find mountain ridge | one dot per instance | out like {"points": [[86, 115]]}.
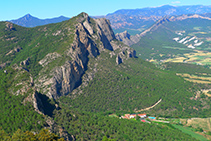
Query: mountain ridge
{"points": [[164, 10], [125, 18], [137, 20], [31, 21], [191, 27], [129, 40]]}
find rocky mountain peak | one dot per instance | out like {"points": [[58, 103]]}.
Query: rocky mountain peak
{"points": [[30, 21], [91, 38], [82, 17], [28, 16]]}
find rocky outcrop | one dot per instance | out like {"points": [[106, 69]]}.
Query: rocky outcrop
{"points": [[16, 49], [9, 26], [49, 58], [125, 54], [131, 53], [37, 103], [86, 24], [118, 60], [105, 33], [127, 39], [105, 26], [64, 134], [25, 62]]}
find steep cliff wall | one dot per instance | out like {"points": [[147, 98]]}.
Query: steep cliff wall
{"points": [[91, 37]]}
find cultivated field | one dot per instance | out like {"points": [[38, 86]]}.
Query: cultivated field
{"points": [[195, 78], [200, 57], [203, 123]]}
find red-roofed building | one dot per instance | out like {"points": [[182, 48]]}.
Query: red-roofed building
{"points": [[142, 115], [127, 116], [133, 116], [143, 120]]}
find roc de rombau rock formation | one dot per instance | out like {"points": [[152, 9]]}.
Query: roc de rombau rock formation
{"points": [[91, 37]]}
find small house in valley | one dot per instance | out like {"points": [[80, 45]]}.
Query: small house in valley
{"points": [[142, 115], [129, 116]]}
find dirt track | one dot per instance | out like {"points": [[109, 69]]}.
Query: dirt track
{"points": [[145, 109]]}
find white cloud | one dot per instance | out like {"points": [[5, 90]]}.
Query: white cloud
{"points": [[175, 2]]}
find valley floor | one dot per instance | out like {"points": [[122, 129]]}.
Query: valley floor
{"points": [[199, 128]]}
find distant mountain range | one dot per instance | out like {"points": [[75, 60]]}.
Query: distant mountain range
{"points": [[132, 20], [129, 39], [137, 20], [164, 10], [30, 21]]}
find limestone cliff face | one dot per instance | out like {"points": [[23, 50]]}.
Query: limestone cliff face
{"points": [[91, 37], [105, 26]]}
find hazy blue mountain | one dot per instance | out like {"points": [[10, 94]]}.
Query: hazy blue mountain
{"points": [[164, 10], [30, 21]]}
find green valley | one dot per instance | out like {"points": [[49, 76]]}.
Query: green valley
{"points": [[178, 39]]}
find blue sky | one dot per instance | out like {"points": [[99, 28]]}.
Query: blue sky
{"points": [[13, 9]]}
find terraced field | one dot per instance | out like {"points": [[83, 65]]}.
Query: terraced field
{"points": [[206, 79], [200, 58]]}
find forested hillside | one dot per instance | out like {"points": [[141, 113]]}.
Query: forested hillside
{"points": [[92, 126], [14, 113], [81, 125]]}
